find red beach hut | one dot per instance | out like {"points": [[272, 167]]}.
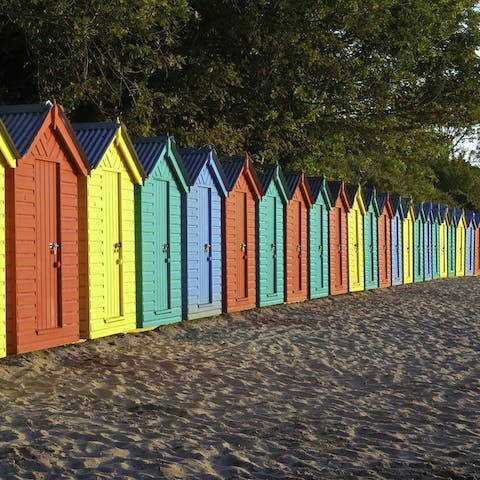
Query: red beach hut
{"points": [[296, 237], [338, 239], [42, 225], [239, 234], [384, 240]]}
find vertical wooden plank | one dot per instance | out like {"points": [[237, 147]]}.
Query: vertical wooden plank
{"points": [[205, 246]]}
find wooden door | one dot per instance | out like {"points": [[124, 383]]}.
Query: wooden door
{"points": [[338, 249], [162, 251], [451, 252], [205, 245], [369, 246], [113, 246], [296, 246], [48, 251], [320, 280], [476, 248], [241, 244], [357, 252], [396, 238], [271, 247]]}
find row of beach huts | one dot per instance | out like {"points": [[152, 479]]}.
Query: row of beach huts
{"points": [[103, 234]]}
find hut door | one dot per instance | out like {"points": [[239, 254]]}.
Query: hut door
{"points": [[162, 267], [205, 245], [48, 257], [371, 250], [338, 249], [297, 246], [357, 248], [113, 246], [396, 246], [241, 244], [384, 246], [320, 283], [271, 229]]}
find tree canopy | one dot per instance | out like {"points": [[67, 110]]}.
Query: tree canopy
{"points": [[371, 91]]}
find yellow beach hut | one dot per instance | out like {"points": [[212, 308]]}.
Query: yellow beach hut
{"points": [[356, 271], [460, 232], [107, 275], [443, 220], [8, 158], [408, 221]]}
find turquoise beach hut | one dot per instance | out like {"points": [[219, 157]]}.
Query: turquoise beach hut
{"points": [[370, 237], [436, 250], [202, 214], [270, 239], [451, 241], [318, 217], [158, 232], [418, 243]]}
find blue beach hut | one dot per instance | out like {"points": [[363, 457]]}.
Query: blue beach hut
{"points": [[470, 242], [397, 240], [202, 257], [428, 240], [418, 243]]}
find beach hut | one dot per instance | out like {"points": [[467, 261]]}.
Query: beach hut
{"points": [[296, 237], [451, 242], [418, 243], [428, 241], [107, 280], [356, 214], [202, 291], [435, 219], [384, 235], [408, 247], [158, 235], [397, 239], [239, 234], [443, 240], [460, 230], [476, 261], [470, 243], [370, 237], [338, 238], [42, 225], [270, 236], [8, 159], [318, 237]]}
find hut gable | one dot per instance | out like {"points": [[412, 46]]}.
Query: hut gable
{"points": [[298, 187], [384, 204], [338, 194], [240, 173], [272, 174], [319, 189]]}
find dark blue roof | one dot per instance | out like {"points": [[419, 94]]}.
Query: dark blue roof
{"points": [[442, 209], [367, 194], [266, 173], [469, 217], [149, 151], [95, 138], [334, 188], [406, 202], [351, 192], [418, 209], [292, 180], [397, 205], [232, 168], [317, 184], [381, 200], [23, 123]]}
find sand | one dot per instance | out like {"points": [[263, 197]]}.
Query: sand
{"points": [[380, 384]]}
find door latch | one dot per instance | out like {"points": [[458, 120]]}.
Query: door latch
{"points": [[117, 245], [165, 247], [206, 248], [54, 247]]}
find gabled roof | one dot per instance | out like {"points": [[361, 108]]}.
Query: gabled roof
{"points": [[297, 180], [459, 217], [96, 138], [407, 206], [370, 199], [443, 213], [269, 173], [194, 159], [8, 152], [452, 215], [384, 202], [419, 211], [23, 123], [233, 168], [355, 192], [319, 186], [337, 189], [470, 219], [150, 151]]}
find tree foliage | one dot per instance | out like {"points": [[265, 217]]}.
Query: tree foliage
{"points": [[371, 91]]}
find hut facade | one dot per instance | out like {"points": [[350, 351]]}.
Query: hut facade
{"points": [[443, 241], [338, 238], [461, 227], [107, 280], [239, 234], [158, 231], [8, 159], [296, 237], [384, 229], [476, 262], [470, 243], [356, 214], [428, 241], [418, 243], [370, 237], [435, 215], [202, 290], [397, 240], [42, 225], [318, 237], [270, 236], [408, 222]]}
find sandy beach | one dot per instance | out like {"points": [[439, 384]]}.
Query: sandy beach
{"points": [[373, 385]]}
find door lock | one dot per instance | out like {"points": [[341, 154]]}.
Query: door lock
{"points": [[54, 247]]}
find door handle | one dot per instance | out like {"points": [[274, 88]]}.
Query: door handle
{"points": [[165, 247], [117, 245], [54, 246], [206, 248], [299, 247], [273, 246]]}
